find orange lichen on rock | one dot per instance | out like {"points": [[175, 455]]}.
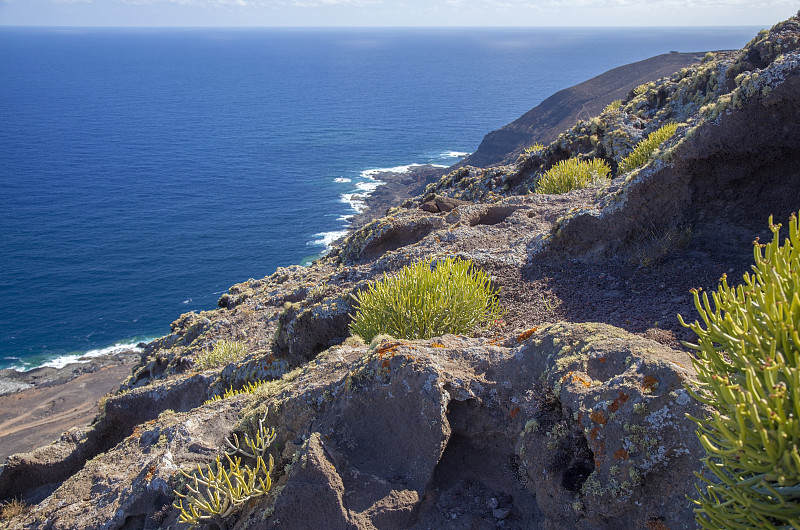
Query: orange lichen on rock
{"points": [[388, 349], [623, 397], [599, 417], [526, 334], [514, 412], [594, 433], [575, 378], [649, 384], [621, 454]]}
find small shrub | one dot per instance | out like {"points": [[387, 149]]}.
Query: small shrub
{"points": [[653, 247], [248, 388], [642, 89], [422, 301], [13, 508], [614, 105], [748, 372], [642, 152], [225, 485], [572, 174], [224, 353], [535, 148]]}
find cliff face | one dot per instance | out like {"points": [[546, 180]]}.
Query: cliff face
{"points": [[571, 413]]}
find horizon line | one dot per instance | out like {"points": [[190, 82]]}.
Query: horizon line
{"points": [[98, 26]]}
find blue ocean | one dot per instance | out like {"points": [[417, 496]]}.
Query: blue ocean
{"points": [[144, 171]]}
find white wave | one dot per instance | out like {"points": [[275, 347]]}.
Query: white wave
{"points": [[187, 301], [355, 200], [326, 239], [19, 365], [453, 154], [64, 360], [342, 179], [369, 186], [372, 173]]}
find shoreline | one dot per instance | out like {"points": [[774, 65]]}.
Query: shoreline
{"points": [[14, 381], [395, 187], [37, 406]]}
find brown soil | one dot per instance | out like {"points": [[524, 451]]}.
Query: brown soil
{"points": [[642, 300], [35, 417]]}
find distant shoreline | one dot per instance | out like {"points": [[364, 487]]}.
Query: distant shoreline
{"points": [[13, 380]]}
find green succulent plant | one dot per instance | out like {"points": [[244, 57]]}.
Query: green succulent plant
{"points": [[644, 150], [224, 353], [425, 300], [248, 388], [225, 485], [748, 372], [572, 174], [614, 105], [535, 148]]}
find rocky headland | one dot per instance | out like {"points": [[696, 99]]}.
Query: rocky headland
{"points": [[569, 413]]}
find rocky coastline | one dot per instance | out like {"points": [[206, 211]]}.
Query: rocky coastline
{"points": [[570, 413]]}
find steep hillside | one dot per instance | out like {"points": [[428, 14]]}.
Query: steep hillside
{"points": [[565, 108], [570, 412]]}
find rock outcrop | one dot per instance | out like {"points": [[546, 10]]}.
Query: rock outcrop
{"points": [[569, 413], [566, 426]]}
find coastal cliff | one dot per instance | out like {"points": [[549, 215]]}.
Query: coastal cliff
{"points": [[568, 413]]}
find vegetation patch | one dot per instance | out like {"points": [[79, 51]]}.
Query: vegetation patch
{"points": [[573, 174], [535, 148], [614, 105], [219, 490], [643, 151], [426, 300], [12, 509], [248, 388], [224, 353], [748, 370]]}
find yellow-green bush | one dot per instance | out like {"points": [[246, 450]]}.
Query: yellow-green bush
{"points": [[614, 105], [425, 300], [748, 372], [11, 509], [643, 151], [219, 490], [572, 174], [224, 353], [535, 148], [248, 388]]}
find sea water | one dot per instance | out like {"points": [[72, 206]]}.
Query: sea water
{"points": [[144, 171]]}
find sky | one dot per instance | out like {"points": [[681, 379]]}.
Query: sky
{"points": [[763, 13]]}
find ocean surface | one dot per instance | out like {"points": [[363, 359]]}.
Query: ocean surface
{"points": [[145, 171]]}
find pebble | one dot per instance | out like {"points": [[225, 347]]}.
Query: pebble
{"points": [[501, 513], [492, 503]]}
